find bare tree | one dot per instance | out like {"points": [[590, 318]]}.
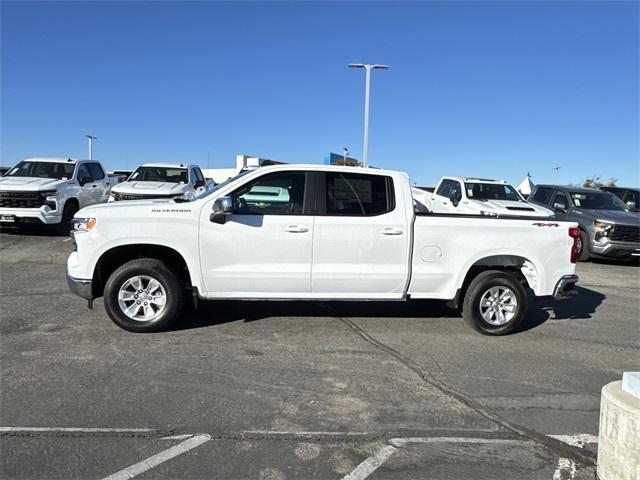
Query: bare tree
{"points": [[594, 182]]}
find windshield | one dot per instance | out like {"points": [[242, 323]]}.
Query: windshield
{"points": [[597, 201], [491, 191], [57, 170], [160, 174]]}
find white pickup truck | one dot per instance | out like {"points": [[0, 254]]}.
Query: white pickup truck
{"points": [[161, 180], [476, 196], [315, 233], [50, 190]]}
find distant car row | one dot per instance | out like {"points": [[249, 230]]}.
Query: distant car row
{"points": [[50, 190], [608, 219]]}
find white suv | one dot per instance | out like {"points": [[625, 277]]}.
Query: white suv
{"points": [[50, 190], [161, 180]]}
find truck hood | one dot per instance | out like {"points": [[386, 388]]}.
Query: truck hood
{"points": [[510, 207], [32, 184], [151, 188], [614, 216]]}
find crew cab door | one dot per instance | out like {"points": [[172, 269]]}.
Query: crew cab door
{"points": [[361, 237], [263, 250], [441, 199], [88, 192]]}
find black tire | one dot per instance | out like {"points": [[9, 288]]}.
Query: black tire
{"points": [[147, 267], [480, 286], [69, 210], [584, 252]]}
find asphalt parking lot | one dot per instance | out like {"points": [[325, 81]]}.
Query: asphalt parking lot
{"points": [[274, 390]]}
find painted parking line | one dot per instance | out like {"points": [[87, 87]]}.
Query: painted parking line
{"points": [[158, 458], [375, 461], [73, 430]]}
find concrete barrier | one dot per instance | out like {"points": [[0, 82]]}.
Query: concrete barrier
{"points": [[619, 434]]}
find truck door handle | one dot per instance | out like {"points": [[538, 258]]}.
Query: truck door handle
{"points": [[391, 231], [295, 229]]}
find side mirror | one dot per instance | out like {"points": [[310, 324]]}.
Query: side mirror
{"points": [[199, 183], [222, 207], [84, 180], [455, 198], [560, 206], [631, 204]]}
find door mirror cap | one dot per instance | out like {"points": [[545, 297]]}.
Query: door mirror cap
{"points": [[560, 206], [455, 198], [199, 183], [85, 180], [222, 207]]}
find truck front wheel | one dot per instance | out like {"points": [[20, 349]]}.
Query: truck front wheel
{"points": [[495, 303], [144, 295]]}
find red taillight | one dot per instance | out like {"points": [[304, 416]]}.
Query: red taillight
{"points": [[574, 232]]}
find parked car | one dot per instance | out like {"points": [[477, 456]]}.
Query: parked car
{"points": [[50, 190], [608, 228], [314, 232], [120, 175], [630, 196], [476, 196], [161, 180]]}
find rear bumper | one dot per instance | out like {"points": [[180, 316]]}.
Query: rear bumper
{"points": [[81, 287], [566, 287], [31, 216]]}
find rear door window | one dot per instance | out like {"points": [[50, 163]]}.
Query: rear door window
{"points": [[358, 194]]}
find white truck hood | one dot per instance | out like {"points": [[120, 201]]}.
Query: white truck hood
{"points": [[151, 188], [32, 184], [509, 207]]}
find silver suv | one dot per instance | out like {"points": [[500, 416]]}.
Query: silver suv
{"points": [[608, 227]]}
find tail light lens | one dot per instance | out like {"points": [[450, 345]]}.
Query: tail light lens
{"points": [[574, 232]]}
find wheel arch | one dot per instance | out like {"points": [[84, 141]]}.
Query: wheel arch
{"points": [[116, 256], [521, 267]]}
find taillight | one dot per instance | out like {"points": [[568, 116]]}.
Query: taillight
{"points": [[574, 232]]}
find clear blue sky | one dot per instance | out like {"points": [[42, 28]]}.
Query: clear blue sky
{"points": [[490, 89]]}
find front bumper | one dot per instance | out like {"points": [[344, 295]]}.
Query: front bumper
{"points": [[615, 249], [31, 216], [81, 287], [566, 287]]}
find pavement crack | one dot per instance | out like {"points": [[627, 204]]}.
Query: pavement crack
{"points": [[555, 446]]}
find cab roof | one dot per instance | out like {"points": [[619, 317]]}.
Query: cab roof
{"points": [[325, 168], [476, 180], [166, 165], [52, 159]]}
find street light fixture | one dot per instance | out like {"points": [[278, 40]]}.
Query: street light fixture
{"points": [[91, 139], [368, 67]]}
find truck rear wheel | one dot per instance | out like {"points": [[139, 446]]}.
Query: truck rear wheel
{"points": [[144, 295], [495, 303]]}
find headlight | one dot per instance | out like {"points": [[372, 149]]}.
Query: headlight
{"points": [[83, 224], [602, 226], [602, 229], [486, 213], [50, 197]]}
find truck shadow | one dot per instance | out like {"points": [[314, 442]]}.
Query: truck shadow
{"points": [[580, 307], [213, 313]]}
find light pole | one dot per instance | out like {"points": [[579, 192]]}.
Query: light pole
{"points": [[91, 139], [367, 82]]}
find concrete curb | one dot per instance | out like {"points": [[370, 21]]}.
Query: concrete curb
{"points": [[619, 435]]}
